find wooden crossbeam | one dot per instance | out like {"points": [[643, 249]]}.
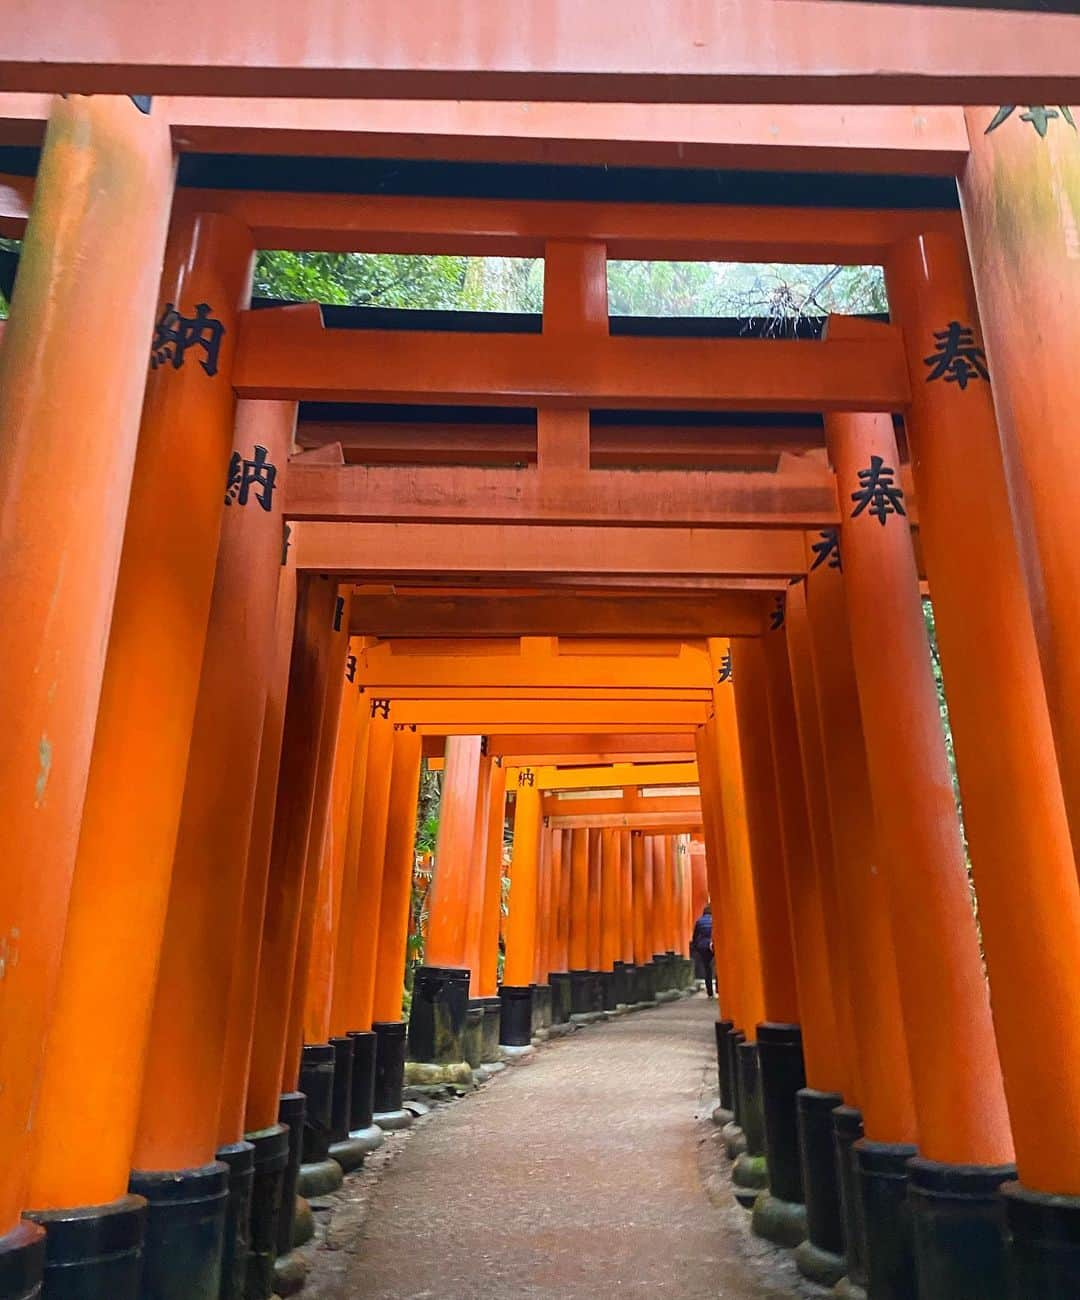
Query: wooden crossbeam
{"points": [[627, 802], [735, 613], [615, 776], [801, 494], [587, 714], [579, 747], [286, 354], [657, 823], [512, 550], [919, 140], [729, 51]]}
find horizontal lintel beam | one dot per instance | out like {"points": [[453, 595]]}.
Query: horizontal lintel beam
{"points": [[729, 51], [736, 613], [512, 550], [285, 354], [655, 823]]}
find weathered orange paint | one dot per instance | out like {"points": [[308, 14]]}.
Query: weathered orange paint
{"points": [[493, 871], [342, 1004], [750, 679], [178, 1120], [452, 891], [640, 51], [1021, 231], [359, 973], [393, 923], [821, 1043], [724, 734], [595, 886], [236, 1059], [610, 872], [884, 1073], [845, 1066], [578, 927], [96, 234], [729, 960], [293, 356], [521, 923], [543, 888], [699, 877], [1013, 805], [961, 1114], [640, 923], [309, 671], [95, 1051], [330, 869], [626, 899], [315, 858], [474, 920]]}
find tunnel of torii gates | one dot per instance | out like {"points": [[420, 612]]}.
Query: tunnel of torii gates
{"points": [[651, 590]]}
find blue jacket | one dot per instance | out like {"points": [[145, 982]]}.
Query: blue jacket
{"points": [[702, 932]]}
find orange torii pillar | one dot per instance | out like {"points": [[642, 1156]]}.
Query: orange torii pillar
{"points": [[593, 919], [1014, 808], [581, 979], [964, 1136], [821, 1256], [610, 871], [516, 1030], [352, 1005], [95, 1053], [780, 1071], [625, 965], [309, 671], [271, 1143], [328, 933], [180, 1122], [541, 995], [488, 987], [95, 237], [882, 1108], [392, 936], [558, 972], [699, 879], [310, 1067], [440, 1003], [785, 1073], [686, 917], [473, 1040], [641, 990], [661, 916]]}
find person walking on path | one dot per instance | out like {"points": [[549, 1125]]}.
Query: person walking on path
{"points": [[701, 947]]}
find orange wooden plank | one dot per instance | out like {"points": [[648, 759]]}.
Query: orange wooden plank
{"points": [[731, 51], [509, 550], [285, 354]]}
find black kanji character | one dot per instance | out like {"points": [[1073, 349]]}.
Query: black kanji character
{"points": [[257, 473], [958, 358], [526, 776], [827, 551], [725, 672], [878, 491], [350, 668], [1038, 115], [776, 618], [175, 334]]}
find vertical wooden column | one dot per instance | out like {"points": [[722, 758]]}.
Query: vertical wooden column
{"points": [[725, 928], [521, 922], [236, 1058], [357, 992], [961, 1112], [182, 1085], [595, 850], [393, 929], [1014, 809], [626, 899], [821, 1044], [699, 878], [1022, 240], [320, 817], [95, 1052], [610, 871], [642, 956], [478, 879], [451, 891], [886, 1102], [661, 875], [493, 869], [309, 671], [543, 899], [95, 236], [724, 733], [330, 870], [763, 818], [551, 916], [578, 928]]}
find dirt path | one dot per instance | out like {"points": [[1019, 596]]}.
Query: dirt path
{"points": [[575, 1175]]}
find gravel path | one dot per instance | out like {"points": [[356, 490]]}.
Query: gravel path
{"points": [[578, 1174]]}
